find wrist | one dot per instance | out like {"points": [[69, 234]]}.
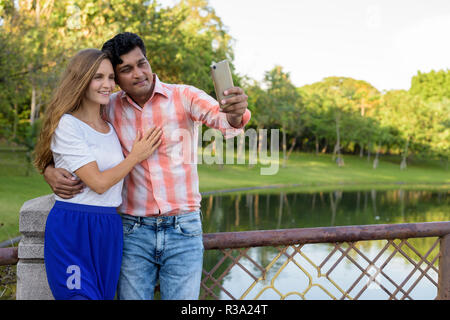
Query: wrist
{"points": [[46, 172], [234, 121], [133, 158]]}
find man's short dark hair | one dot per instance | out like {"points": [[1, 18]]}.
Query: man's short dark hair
{"points": [[122, 44]]}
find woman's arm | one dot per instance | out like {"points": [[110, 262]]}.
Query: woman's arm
{"points": [[101, 181]]}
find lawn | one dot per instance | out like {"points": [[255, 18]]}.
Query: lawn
{"points": [[310, 172], [304, 172]]}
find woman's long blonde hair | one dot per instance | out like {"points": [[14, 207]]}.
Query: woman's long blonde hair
{"points": [[67, 98]]}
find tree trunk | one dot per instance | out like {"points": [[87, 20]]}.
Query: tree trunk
{"points": [[313, 206], [260, 139], [292, 147], [16, 120], [280, 210], [33, 103], [361, 151], [214, 150], [210, 206], [404, 156], [317, 145], [337, 148], [325, 147], [284, 149], [38, 12], [236, 210], [373, 193], [257, 209], [333, 208], [376, 161]]}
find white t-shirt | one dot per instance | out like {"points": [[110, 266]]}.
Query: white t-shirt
{"points": [[75, 144]]}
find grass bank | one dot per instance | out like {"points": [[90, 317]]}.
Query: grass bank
{"points": [[304, 172], [309, 172]]}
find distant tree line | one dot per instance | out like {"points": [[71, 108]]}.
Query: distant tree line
{"points": [[336, 115], [342, 115]]}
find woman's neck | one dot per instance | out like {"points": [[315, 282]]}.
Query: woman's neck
{"points": [[89, 112]]}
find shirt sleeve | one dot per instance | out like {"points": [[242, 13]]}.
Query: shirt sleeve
{"points": [[206, 109], [69, 143]]}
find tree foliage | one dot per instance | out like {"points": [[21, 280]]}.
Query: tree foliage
{"points": [[39, 36], [337, 114]]}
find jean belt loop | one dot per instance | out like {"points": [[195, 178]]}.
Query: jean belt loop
{"points": [[201, 214], [175, 221]]}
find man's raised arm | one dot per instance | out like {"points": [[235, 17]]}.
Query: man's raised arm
{"points": [[230, 120]]}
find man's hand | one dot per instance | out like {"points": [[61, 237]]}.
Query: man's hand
{"points": [[62, 182], [237, 107]]}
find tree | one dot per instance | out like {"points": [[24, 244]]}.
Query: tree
{"points": [[284, 103], [406, 113], [182, 40], [434, 89], [434, 85]]}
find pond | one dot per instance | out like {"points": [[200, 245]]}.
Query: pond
{"points": [[367, 270]]}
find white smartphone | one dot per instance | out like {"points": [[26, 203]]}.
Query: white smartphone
{"points": [[221, 75]]}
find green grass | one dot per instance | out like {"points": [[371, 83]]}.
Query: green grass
{"points": [[15, 189], [304, 172], [312, 172]]}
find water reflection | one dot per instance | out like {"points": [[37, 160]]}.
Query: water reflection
{"points": [[242, 212], [321, 271]]}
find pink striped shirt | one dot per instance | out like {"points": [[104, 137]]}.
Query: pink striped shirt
{"points": [[167, 182]]}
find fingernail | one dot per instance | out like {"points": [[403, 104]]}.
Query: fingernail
{"points": [[225, 93], [223, 102]]}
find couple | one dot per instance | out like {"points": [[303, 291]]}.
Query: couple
{"points": [[126, 214]]}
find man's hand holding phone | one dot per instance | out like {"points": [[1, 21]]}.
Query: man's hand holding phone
{"points": [[232, 100], [236, 105]]}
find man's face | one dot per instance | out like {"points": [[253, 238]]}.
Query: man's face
{"points": [[134, 75]]}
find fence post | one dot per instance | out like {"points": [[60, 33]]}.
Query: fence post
{"points": [[444, 269], [31, 277]]}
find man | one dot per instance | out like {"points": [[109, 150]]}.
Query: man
{"points": [[161, 200]]}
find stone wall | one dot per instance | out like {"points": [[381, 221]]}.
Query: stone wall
{"points": [[31, 277]]}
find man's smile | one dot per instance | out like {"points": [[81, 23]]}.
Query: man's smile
{"points": [[141, 82]]}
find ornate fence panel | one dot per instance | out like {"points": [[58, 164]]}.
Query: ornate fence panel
{"points": [[8, 261], [286, 263], [292, 252]]}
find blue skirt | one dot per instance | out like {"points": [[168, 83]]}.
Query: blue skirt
{"points": [[83, 251]]}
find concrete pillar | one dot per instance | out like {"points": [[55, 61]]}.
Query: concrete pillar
{"points": [[31, 277]]}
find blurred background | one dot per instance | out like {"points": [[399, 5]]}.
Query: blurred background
{"points": [[360, 91]]}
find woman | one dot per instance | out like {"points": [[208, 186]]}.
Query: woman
{"points": [[83, 235]]}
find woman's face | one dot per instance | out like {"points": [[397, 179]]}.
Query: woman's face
{"points": [[102, 84]]}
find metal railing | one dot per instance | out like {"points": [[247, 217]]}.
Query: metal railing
{"points": [[289, 246], [231, 251]]}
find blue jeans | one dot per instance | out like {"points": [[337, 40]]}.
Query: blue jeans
{"points": [[165, 248]]}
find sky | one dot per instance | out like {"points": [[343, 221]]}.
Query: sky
{"points": [[384, 42]]}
